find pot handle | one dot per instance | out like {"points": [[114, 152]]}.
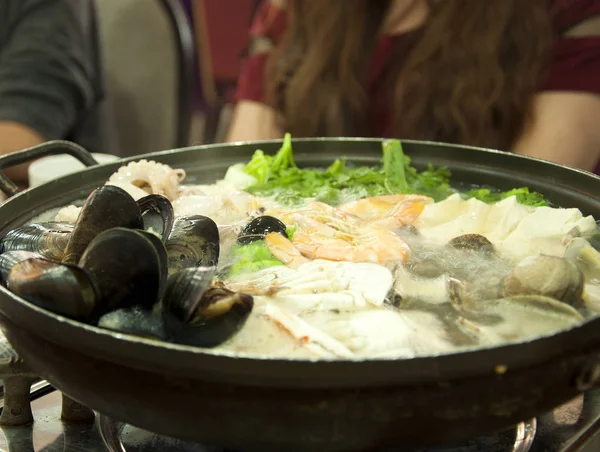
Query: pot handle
{"points": [[33, 153]]}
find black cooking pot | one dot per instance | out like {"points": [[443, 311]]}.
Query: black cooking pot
{"points": [[277, 404]]}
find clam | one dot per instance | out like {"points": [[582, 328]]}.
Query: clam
{"points": [[127, 267], [587, 259], [517, 318], [259, 227], [591, 296], [46, 239], [472, 242], [135, 321], [9, 259], [61, 288], [460, 298], [106, 208], [585, 256], [550, 276], [570, 235], [200, 315], [157, 214], [592, 237], [193, 242]]}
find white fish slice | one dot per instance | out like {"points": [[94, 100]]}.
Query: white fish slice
{"points": [[306, 335], [384, 332]]}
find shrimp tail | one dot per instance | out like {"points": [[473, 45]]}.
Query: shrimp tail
{"points": [[408, 212], [284, 250]]}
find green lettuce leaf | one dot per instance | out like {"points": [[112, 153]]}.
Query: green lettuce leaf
{"points": [[252, 257]]}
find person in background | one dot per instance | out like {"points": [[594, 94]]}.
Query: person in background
{"points": [[50, 76], [505, 74]]}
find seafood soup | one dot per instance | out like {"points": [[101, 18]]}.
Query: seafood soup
{"points": [[277, 261]]}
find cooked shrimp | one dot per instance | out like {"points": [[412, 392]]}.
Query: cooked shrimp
{"points": [[146, 177], [317, 211], [324, 232], [354, 244], [388, 211], [284, 250]]}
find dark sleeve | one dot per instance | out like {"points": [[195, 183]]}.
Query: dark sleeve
{"points": [[267, 30], [575, 64], [46, 74]]}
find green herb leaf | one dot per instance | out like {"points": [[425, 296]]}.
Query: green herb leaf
{"points": [[279, 177], [394, 163], [524, 196]]}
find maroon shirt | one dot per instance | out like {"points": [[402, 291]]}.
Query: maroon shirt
{"points": [[575, 64]]}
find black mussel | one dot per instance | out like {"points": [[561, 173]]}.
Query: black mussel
{"points": [[157, 213], [202, 317], [106, 208], [10, 258], [46, 239], [194, 242], [472, 242], [135, 321], [220, 314], [259, 227], [163, 259], [184, 290], [60, 288], [127, 268]]}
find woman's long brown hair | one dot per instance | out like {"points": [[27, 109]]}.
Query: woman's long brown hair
{"points": [[469, 77]]}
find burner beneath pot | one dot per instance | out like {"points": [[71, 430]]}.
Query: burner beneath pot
{"points": [[124, 438], [567, 429]]}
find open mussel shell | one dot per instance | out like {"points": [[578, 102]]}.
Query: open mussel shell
{"points": [[208, 320], [46, 239], [194, 242], [9, 259], [259, 227], [126, 267], [60, 288], [197, 314], [158, 215], [184, 290], [135, 321], [163, 259], [106, 208]]}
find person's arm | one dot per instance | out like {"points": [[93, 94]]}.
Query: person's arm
{"points": [[252, 118], [15, 136], [253, 121], [565, 128], [45, 75], [565, 120]]}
